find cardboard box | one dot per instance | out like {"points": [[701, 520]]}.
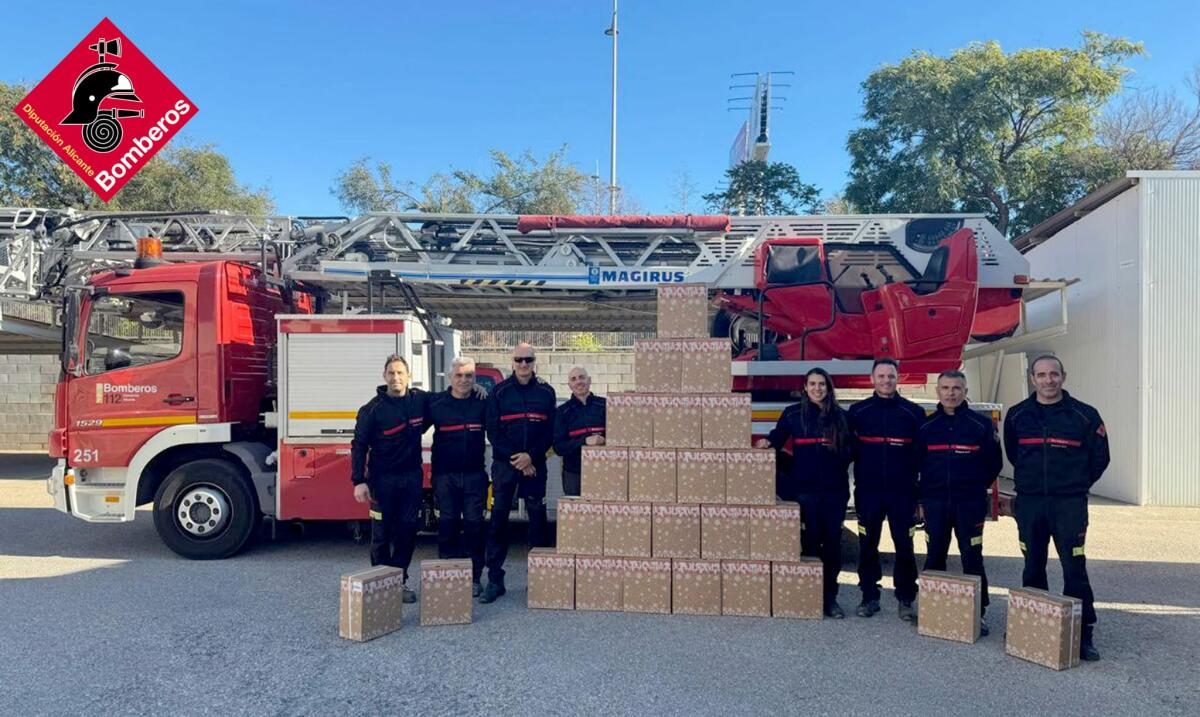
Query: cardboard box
{"points": [[605, 473], [629, 421], [598, 583], [656, 365], [750, 476], [1044, 628], [371, 603], [950, 606], [551, 580], [726, 421], [725, 532], [627, 529], [646, 585], [700, 476], [580, 526], [705, 366], [651, 475], [677, 421], [445, 592], [797, 589], [746, 588], [696, 587], [682, 311], [676, 531], [775, 532]]}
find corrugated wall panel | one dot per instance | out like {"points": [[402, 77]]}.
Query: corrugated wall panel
{"points": [[1171, 338]]}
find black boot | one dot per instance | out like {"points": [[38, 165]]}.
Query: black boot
{"points": [[1087, 649], [492, 592]]}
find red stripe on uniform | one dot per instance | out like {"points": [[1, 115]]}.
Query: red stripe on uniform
{"points": [[581, 431], [1050, 441], [885, 439], [953, 447], [396, 429], [518, 416], [810, 441], [460, 427]]}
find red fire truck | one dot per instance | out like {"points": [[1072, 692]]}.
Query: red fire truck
{"points": [[221, 386]]}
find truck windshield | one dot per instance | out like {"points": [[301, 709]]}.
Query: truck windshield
{"points": [[133, 330]]}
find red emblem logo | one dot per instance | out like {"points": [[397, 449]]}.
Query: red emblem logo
{"points": [[106, 109]]}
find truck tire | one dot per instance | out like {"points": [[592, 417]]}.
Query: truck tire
{"points": [[206, 510]]}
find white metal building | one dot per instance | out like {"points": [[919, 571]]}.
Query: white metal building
{"points": [[1133, 336]]}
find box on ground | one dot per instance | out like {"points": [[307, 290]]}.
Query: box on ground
{"points": [[605, 473], [705, 366], [725, 532], [445, 592], [551, 580], [656, 365], [750, 476], [950, 606], [797, 589], [678, 421], [629, 420], [682, 311], [652, 475], [646, 585], [372, 603], [775, 532], [726, 420], [675, 531], [580, 526], [627, 529], [1044, 628], [598, 582], [696, 587], [700, 476], [746, 588]]}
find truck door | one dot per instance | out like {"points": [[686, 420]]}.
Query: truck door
{"points": [[136, 372]]}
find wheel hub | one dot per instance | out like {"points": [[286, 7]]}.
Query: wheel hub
{"points": [[203, 511]]}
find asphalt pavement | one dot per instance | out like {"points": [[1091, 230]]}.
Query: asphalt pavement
{"points": [[105, 619]]}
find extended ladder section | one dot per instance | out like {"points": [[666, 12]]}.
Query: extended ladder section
{"points": [[484, 270]]}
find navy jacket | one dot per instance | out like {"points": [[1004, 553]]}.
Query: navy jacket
{"points": [[458, 433], [959, 454], [574, 423], [520, 419], [387, 435], [1055, 449], [817, 467], [884, 429]]}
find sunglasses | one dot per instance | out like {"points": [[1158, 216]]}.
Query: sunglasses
{"points": [[524, 359]]}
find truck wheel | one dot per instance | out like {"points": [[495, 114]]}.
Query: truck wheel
{"points": [[205, 510]]}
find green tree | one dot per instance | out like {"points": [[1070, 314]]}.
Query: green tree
{"points": [[981, 130], [180, 177], [759, 188], [366, 188], [527, 185]]}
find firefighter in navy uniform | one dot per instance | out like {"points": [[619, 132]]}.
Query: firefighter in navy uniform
{"points": [[959, 456], [385, 466], [885, 486], [818, 434], [458, 415], [579, 423], [520, 426], [1059, 449]]}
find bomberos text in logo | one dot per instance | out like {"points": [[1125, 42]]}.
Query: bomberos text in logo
{"points": [[106, 109]]}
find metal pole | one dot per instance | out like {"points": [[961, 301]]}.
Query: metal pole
{"points": [[612, 159]]}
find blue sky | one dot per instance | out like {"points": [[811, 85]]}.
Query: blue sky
{"points": [[294, 92]]}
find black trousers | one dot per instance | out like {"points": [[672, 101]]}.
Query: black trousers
{"points": [[966, 519], [460, 498], [898, 508], [821, 519], [395, 509], [572, 482], [1064, 518], [508, 482]]}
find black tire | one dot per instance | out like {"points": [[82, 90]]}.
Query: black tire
{"points": [[216, 482]]}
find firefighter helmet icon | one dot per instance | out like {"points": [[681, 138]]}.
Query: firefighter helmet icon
{"points": [[95, 85]]}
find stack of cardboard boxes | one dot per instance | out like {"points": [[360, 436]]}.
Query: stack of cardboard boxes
{"points": [[678, 513]]}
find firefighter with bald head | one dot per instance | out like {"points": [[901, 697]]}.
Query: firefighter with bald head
{"points": [[580, 422], [520, 426], [385, 466], [1058, 448]]}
